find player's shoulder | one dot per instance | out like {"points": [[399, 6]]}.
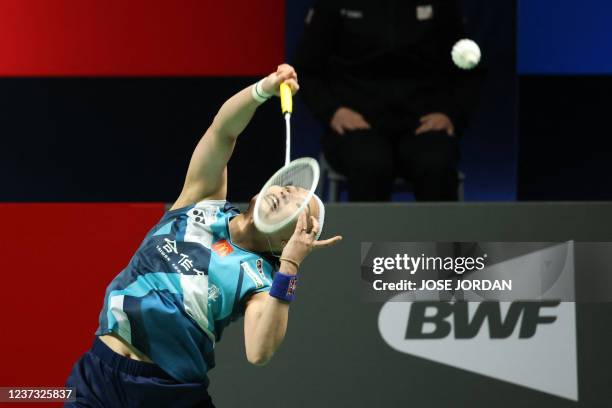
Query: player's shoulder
{"points": [[204, 209], [205, 212]]}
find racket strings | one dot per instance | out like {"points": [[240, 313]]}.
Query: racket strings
{"points": [[302, 174], [298, 176]]}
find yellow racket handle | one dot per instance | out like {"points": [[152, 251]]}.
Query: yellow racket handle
{"points": [[286, 98]]}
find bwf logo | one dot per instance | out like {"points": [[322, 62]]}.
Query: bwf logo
{"points": [[442, 318], [532, 344]]}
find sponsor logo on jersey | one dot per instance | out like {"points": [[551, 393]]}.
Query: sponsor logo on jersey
{"points": [[252, 275], [222, 248], [259, 265], [203, 214]]}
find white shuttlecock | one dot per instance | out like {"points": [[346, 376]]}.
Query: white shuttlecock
{"points": [[466, 54]]}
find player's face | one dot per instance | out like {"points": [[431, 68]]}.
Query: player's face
{"points": [[279, 203]]}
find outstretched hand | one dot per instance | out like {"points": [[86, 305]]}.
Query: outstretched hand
{"points": [[284, 73], [303, 240]]}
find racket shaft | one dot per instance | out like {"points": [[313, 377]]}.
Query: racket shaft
{"points": [[288, 138]]}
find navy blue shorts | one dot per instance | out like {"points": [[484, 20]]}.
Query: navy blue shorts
{"points": [[103, 378]]}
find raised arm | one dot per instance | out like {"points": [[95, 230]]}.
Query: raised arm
{"points": [[266, 317], [207, 173]]}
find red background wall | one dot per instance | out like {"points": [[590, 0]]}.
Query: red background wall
{"points": [[140, 37], [57, 260]]}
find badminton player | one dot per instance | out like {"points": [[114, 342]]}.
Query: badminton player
{"points": [[201, 267]]}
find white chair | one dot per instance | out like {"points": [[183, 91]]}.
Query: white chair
{"points": [[331, 179]]}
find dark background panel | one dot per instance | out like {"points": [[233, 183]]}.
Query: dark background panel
{"points": [[334, 355], [123, 139], [564, 139]]}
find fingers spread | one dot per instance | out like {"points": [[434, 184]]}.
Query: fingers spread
{"points": [[326, 243]]}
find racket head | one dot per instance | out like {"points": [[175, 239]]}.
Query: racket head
{"points": [[286, 194]]}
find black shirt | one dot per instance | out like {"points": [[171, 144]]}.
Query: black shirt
{"points": [[386, 59]]}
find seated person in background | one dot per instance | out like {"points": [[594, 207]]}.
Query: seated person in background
{"points": [[396, 101]]}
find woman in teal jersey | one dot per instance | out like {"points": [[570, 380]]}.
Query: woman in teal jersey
{"points": [[201, 267]]}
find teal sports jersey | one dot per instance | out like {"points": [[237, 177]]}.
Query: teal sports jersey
{"points": [[186, 282]]}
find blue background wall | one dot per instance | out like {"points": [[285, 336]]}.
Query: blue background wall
{"points": [[565, 37], [564, 66]]}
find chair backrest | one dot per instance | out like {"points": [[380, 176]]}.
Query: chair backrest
{"points": [[330, 173]]}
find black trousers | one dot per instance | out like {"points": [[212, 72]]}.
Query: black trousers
{"points": [[103, 378], [371, 159]]}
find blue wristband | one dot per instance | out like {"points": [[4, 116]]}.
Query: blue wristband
{"points": [[283, 286]]}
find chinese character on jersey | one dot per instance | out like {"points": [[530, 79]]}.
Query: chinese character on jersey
{"points": [[185, 262], [213, 293], [170, 246]]}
